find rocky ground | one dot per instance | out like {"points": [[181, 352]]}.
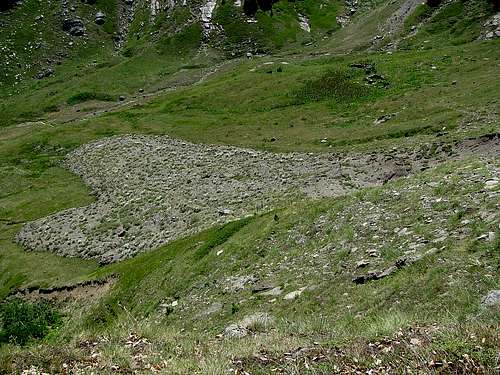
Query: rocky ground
{"points": [[369, 239], [319, 260], [151, 190]]}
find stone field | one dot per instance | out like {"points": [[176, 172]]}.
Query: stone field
{"points": [[151, 190]]}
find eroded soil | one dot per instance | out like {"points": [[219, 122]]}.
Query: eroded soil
{"points": [[88, 290]]}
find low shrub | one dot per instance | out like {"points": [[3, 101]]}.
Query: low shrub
{"points": [[51, 108], [21, 322], [87, 96]]}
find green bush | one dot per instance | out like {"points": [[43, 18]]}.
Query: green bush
{"points": [[87, 96], [334, 84], [21, 321], [51, 108]]}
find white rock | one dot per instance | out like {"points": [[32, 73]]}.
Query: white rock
{"points": [[304, 23], [492, 299], [294, 294]]}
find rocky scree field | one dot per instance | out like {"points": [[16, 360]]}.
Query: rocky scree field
{"points": [[153, 190]]}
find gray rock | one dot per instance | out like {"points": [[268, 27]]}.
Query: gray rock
{"points": [[272, 292], [74, 26], [237, 283], [225, 212], [100, 18], [387, 272], [235, 331], [210, 310], [491, 184], [257, 322], [44, 73], [491, 299], [292, 295], [382, 119], [362, 263], [262, 288]]}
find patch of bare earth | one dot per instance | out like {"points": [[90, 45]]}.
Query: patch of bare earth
{"points": [[88, 290]]}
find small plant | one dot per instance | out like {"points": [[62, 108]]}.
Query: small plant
{"points": [[234, 308], [21, 322], [334, 84]]}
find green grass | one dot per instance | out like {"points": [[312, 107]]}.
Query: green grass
{"points": [[221, 236], [253, 103], [83, 97], [443, 289], [420, 14], [335, 85], [456, 23], [22, 322]]}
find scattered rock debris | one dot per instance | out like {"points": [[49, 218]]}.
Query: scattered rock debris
{"points": [[398, 264], [492, 299]]}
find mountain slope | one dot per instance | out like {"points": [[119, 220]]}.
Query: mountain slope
{"points": [[257, 187]]}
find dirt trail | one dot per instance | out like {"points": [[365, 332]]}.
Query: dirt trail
{"points": [[151, 190]]}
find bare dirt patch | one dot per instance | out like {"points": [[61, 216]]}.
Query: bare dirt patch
{"points": [[88, 290], [151, 190]]}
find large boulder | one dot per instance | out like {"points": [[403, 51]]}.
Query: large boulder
{"points": [[74, 26]]}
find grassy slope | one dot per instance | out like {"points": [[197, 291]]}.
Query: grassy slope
{"points": [[317, 246], [244, 107], [154, 52], [249, 107], [455, 23]]}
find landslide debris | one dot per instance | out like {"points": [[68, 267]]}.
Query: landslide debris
{"points": [[151, 190]]}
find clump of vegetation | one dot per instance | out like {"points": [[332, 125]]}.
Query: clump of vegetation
{"points": [[87, 96], [21, 322], [334, 84], [181, 43], [51, 108]]}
